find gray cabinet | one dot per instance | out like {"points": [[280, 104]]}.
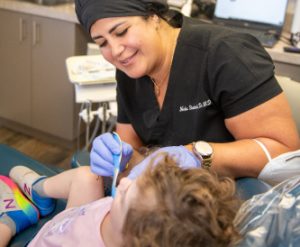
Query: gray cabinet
{"points": [[15, 67], [34, 87]]}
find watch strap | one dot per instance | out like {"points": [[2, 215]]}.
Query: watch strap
{"points": [[205, 160]]}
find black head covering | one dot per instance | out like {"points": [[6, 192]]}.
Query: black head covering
{"points": [[88, 11]]}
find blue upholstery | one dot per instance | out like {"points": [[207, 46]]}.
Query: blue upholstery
{"points": [[248, 187], [80, 158], [10, 157]]}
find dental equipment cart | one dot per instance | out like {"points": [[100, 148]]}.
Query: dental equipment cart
{"points": [[94, 82]]}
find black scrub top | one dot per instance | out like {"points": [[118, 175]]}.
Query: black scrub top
{"points": [[216, 74]]}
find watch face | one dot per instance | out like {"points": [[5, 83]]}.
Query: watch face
{"points": [[203, 148]]}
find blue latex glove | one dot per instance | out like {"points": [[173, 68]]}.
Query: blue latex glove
{"points": [[101, 156], [180, 154]]}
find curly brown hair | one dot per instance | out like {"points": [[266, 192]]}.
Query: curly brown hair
{"points": [[191, 207]]}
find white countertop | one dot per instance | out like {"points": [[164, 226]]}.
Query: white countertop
{"points": [[64, 12], [279, 55]]}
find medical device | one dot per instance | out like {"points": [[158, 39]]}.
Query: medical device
{"points": [[295, 29]]}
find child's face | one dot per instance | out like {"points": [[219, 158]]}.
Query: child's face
{"points": [[127, 192]]}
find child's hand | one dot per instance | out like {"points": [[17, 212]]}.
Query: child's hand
{"points": [[180, 154], [104, 146]]}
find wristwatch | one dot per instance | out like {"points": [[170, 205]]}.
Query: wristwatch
{"points": [[204, 152]]}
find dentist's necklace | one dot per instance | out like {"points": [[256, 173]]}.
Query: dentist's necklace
{"points": [[156, 87]]}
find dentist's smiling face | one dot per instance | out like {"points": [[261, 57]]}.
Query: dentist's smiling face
{"points": [[132, 44]]}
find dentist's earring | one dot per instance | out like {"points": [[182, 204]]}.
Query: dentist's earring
{"points": [[156, 18], [156, 21]]}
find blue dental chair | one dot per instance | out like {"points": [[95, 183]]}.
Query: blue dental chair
{"points": [[9, 157], [246, 187]]}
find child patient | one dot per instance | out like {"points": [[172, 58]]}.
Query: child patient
{"points": [[165, 206]]}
